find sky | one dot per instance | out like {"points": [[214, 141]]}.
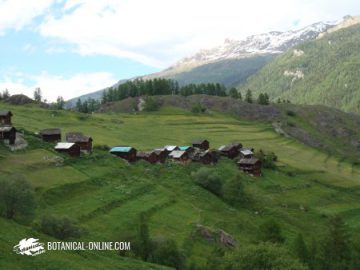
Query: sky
{"points": [[72, 47]]}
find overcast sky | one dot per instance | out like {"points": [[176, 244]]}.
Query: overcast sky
{"points": [[72, 47]]}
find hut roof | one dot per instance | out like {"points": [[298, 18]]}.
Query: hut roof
{"points": [[50, 131], [123, 149], [77, 137], [177, 154], [248, 161], [199, 141], [64, 145], [246, 152], [184, 148], [6, 128], [170, 147], [226, 147], [5, 113]]}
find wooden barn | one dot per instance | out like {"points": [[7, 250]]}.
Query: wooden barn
{"points": [[125, 152], [83, 141], [187, 149], [205, 157], [8, 133], [5, 118], [72, 149], [150, 157], [201, 144], [246, 153], [178, 155], [230, 150], [51, 135], [251, 166], [162, 154]]}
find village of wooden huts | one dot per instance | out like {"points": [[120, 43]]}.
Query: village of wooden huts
{"points": [[199, 151]]}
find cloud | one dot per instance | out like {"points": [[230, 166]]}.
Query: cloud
{"points": [[159, 32], [53, 86], [16, 14]]}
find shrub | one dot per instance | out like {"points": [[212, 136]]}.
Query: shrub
{"points": [[268, 159], [262, 256], [233, 191], [270, 231], [198, 108], [151, 104], [166, 252], [208, 179], [60, 227], [17, 199], [290, 113]]}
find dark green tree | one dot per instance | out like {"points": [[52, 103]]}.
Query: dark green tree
{"points": [[60, 103], [37, 94], [233, 92], [208, 179], [233, 191], [248, 96], [17, 199]]}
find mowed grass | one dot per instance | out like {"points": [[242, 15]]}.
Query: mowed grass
{"points": [[107, 195]]}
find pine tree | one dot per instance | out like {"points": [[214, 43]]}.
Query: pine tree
{"points": [[248, 96], [60, 103], [37, 94], [233, 93]]}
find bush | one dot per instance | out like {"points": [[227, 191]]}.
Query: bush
{"points": [[270, 231], [262, 256], [233, 191], [198, 108], [60, 227], [151, 104], [166, 252], [17, 199], [208, 179], [267, 159], [290, 113]]}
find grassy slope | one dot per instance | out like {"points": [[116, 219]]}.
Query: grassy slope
{"points": [[331, 72], [107, 195]]}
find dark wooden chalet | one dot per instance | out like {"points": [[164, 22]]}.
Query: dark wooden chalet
{"points": [[204, 157], [178, 155], [162, 154], [83, 141], [201, 144], [150, 157], [72, 149], [125, 152], [5, 118], [230, 150], [251, 166], [8, 133], [51, 134]]}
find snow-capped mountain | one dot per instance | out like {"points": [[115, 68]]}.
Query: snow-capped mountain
{"points": [[268, 43]]}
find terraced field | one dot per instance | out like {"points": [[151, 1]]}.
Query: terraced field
{"points": [[107, 195]]}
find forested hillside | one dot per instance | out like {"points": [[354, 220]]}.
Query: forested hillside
{"points": [[325, 71]]}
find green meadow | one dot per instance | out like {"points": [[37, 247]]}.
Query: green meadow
{"points": [[107, 195]]}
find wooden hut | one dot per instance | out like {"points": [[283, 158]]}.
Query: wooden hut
{"points": [[204, 157], [5, 118], [8, 133], [72, 149], [83, 141], [230, 150], [201, 144], [125, 152], [51, 134], [251, 166], [178, 155], [162, 154], [150, 157]]}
